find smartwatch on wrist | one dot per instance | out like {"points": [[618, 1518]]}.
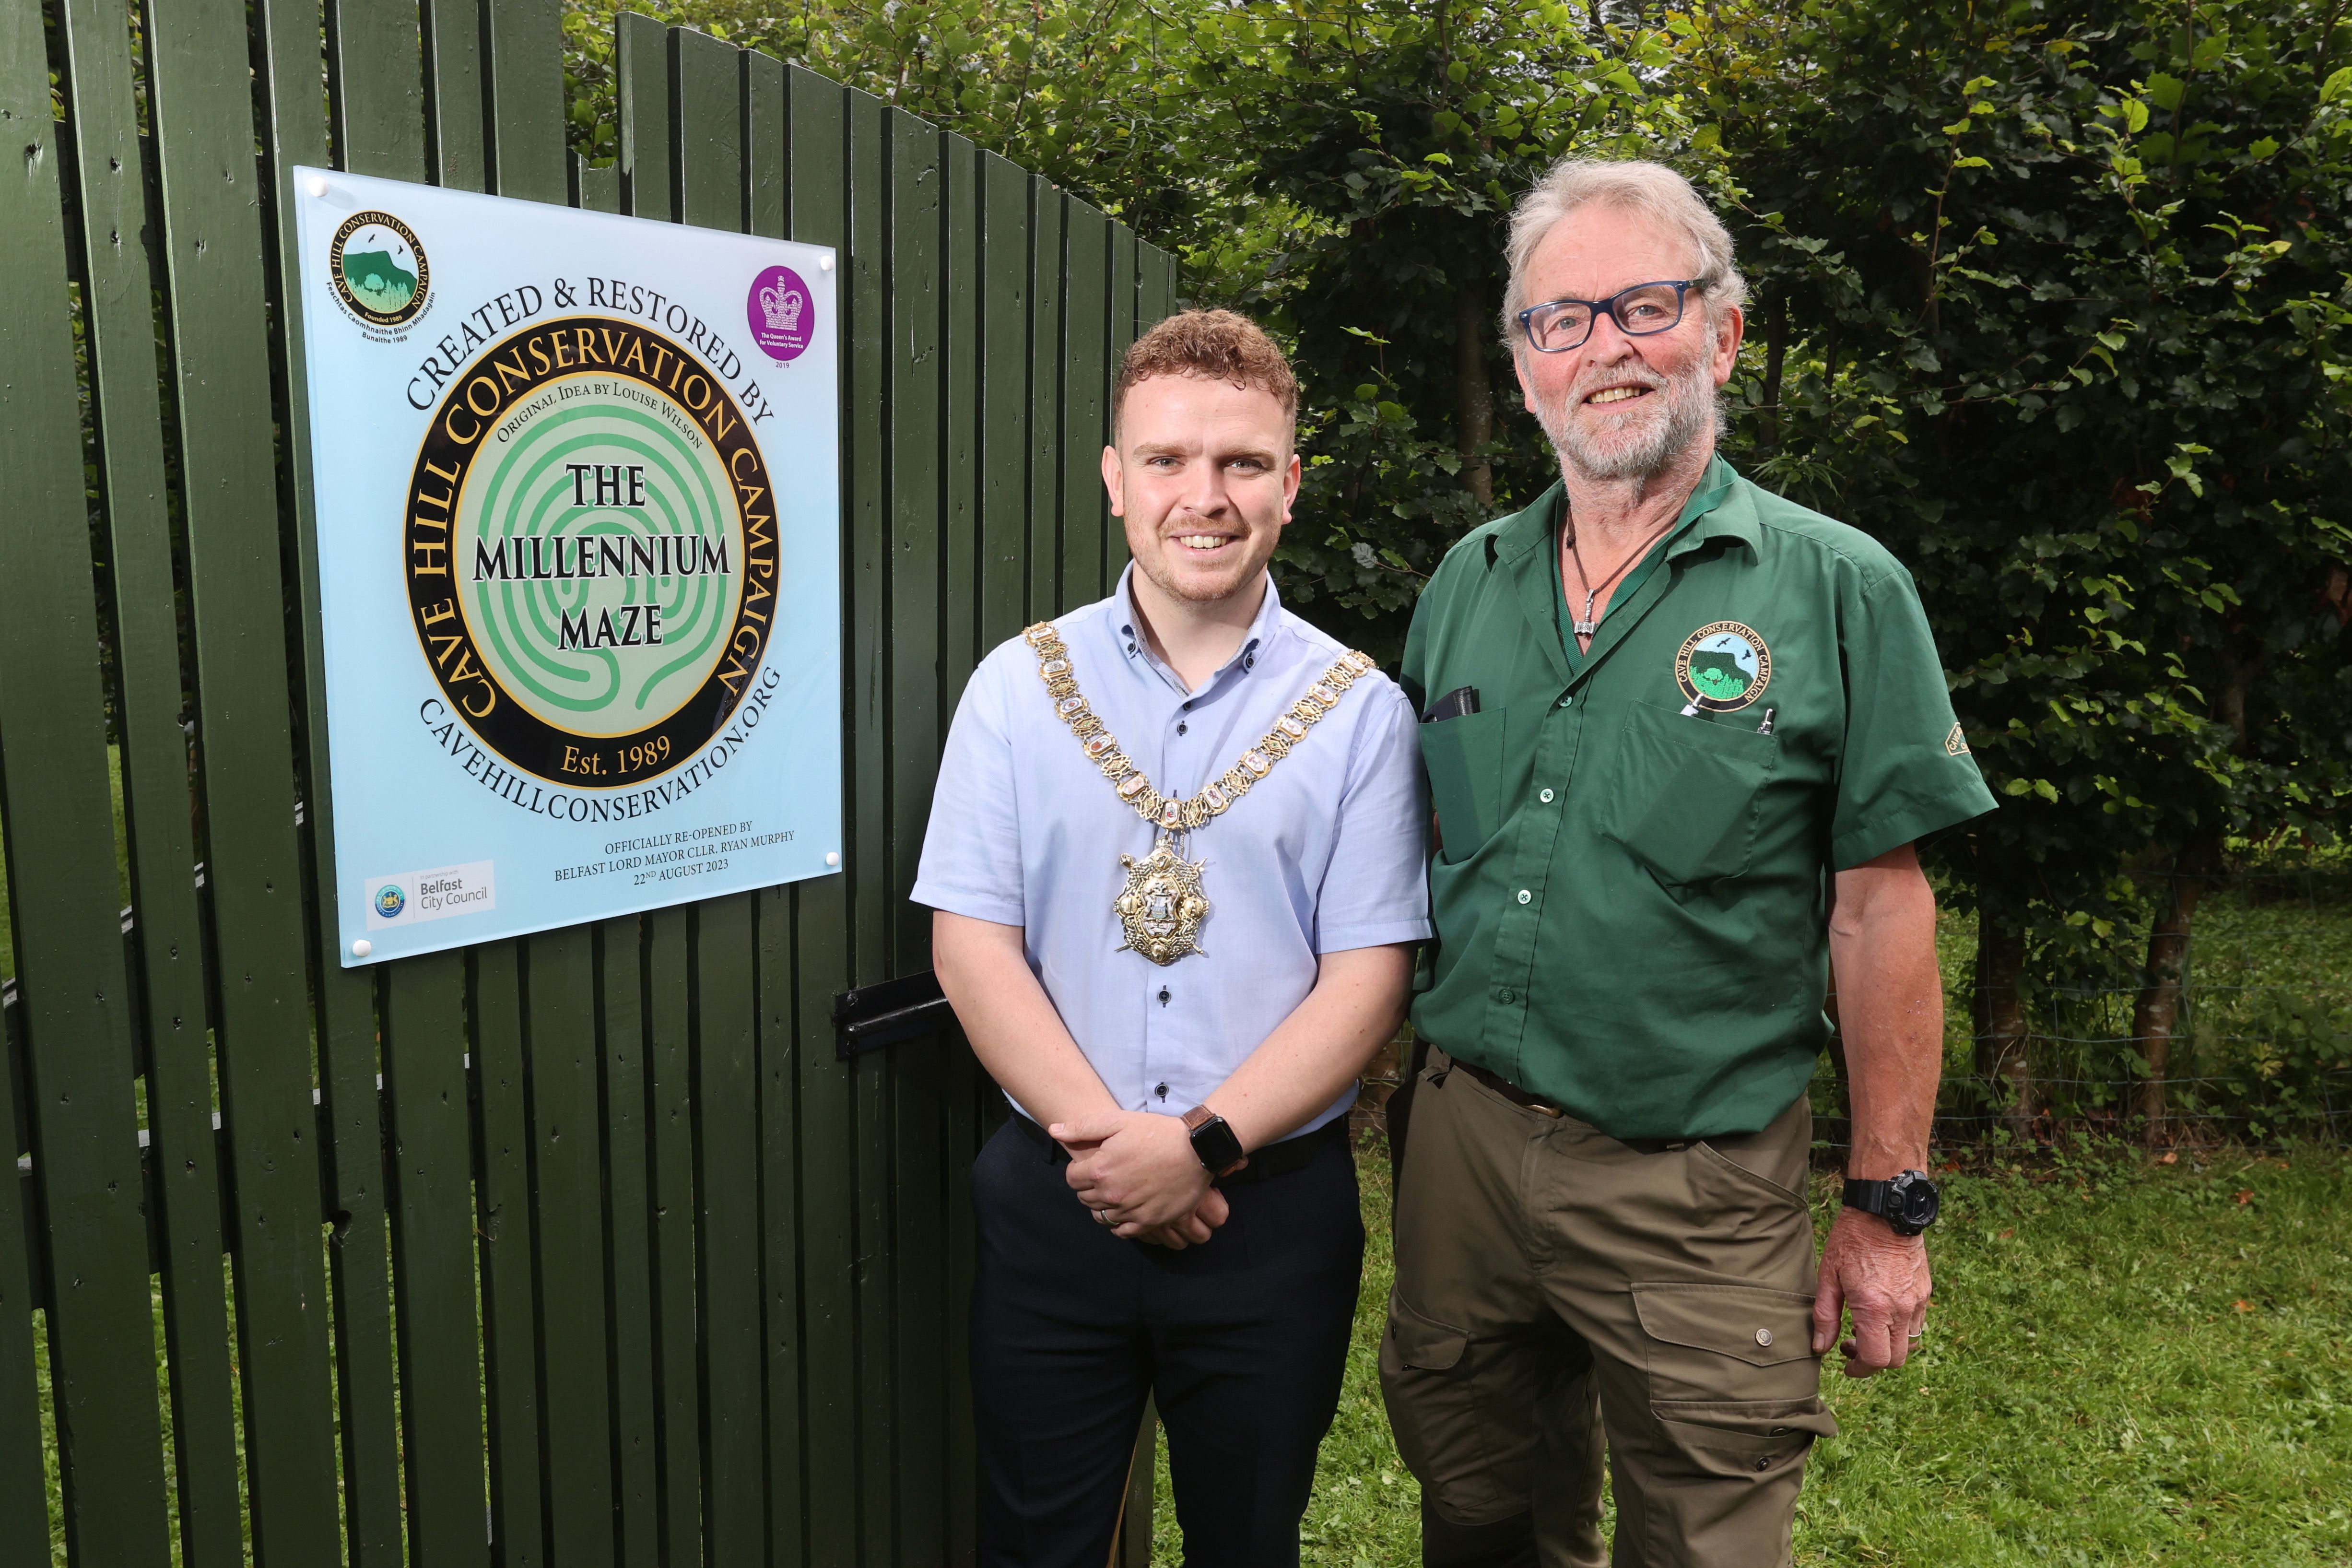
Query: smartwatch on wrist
{"points": [[1215, 1143], [1908, 1203]]}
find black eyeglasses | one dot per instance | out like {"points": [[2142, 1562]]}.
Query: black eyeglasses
{"points": [[1556, 326]]}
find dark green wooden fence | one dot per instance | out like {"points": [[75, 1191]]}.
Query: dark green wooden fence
{"points": [[571, 1250]]}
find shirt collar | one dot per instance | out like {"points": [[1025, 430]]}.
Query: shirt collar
{"points": [[1718, 484], [1137, 647]]}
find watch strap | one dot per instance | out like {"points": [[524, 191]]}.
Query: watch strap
{"points": [[1215, 1142], [1870, 1197]]}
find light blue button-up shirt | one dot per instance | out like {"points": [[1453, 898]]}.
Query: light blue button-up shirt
{"points": [[1323, 854]]}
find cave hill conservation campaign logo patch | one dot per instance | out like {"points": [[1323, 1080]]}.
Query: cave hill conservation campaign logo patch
{"points": [[1723, 668], [590, 552], [379, 270]]}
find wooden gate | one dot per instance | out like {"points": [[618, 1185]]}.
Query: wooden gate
{"points": [[584, 1249]]}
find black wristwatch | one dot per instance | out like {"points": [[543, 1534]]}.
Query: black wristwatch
{"points": [[1213, 1143], [1908, 1203]]}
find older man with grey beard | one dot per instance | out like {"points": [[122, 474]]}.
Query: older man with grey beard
{"points": [[1681, 737]]}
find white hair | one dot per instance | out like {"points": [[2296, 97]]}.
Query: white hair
{"points": [[1652, 189]]}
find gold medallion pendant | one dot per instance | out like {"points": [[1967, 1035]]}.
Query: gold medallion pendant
{"points": [[1162, 905]]}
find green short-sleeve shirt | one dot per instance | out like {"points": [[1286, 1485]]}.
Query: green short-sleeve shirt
{"points": [[1632, 886]]}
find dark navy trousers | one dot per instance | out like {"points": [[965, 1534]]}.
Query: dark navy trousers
{"points": [[1242, 1342]]}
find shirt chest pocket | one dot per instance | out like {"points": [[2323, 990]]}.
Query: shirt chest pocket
{"points": [[1465, 759], [1687, 793]]}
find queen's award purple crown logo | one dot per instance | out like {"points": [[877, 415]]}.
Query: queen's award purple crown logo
{"points": [[782, 317]]}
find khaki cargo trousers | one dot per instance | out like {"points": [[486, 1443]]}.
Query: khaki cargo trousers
{"points": [[1540, 1265]]}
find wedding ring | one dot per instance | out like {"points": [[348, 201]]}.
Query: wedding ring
{"points": [[1918, 1333]]}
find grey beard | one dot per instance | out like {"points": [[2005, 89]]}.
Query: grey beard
{"points": [[1653, 446]]}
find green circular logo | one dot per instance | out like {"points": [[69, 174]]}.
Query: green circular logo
{"points": [[590, 551], [379, 268], [1723, 667]]}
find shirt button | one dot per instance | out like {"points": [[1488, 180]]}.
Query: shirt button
{"points": [[1525, 896], [1764, 1337], [1545, 797], [1506, 998], [1566, 700]]}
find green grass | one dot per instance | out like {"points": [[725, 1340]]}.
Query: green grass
{"points": [[2125, 1363]]}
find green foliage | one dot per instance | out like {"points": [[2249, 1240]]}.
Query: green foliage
{"points": [[2124, 1364], [2051, 300], [2053, 304], [1381, 146]]}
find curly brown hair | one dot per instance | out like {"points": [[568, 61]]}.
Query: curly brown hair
{"points": [[1218, 345]]}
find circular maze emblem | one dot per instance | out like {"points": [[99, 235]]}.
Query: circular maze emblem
{"points": [[1723, 667], [379, 268], [590, 551]]}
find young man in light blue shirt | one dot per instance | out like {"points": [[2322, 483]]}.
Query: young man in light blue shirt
{"points": [[1176, 850]]}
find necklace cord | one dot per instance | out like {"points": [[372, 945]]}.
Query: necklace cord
{"points": [[1586, 626]]}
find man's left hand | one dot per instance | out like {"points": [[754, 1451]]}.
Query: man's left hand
{"points": [[1883, 1279], [1134, 1166]]}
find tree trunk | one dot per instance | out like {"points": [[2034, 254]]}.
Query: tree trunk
{"points": [[1776, 352], [1473, 398], [2000, 1015], [2156, 1014]]}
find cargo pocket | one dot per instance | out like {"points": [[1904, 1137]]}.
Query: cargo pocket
{"points": [[1465, 759], [1734, 1383], [1687, 792], [1443, 1436]]}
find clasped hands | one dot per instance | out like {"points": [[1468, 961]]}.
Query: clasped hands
{"points": [[1139, 1174]]}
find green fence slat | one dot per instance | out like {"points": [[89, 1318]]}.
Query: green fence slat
{"points": [[781, 1342], [41, 446], [503, 1227], [294, 133], [669, 1074], [765, 174], [377, 102], [820, 216], [201, 104], [727, 1102], [641, 92], [1123, 333], [568, 1185], [1001, 354], [629, 1283], [1048, 208], [596, 190], [964, 618], [24, 1488], [960, 473], [430, 1125], [454, 138], [865, 290], [1086, 369], [157, 806], [525, 150], [918, 519], [917, 295], [775, 1217], [866, 494], [1153, 302], [706, 113]]}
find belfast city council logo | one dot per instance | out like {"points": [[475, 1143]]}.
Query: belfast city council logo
{"points": [[1723, 668], [590, 552], [379, 270]]}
